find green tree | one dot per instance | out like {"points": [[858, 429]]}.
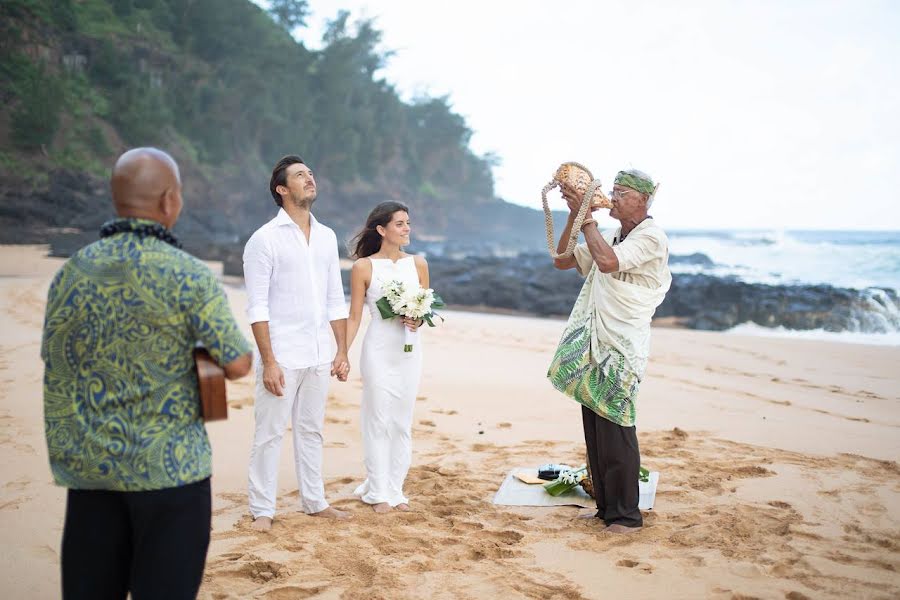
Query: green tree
{"points": [[290, 14]]}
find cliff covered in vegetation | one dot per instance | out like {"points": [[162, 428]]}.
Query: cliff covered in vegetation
{"points": [[224, 87]]}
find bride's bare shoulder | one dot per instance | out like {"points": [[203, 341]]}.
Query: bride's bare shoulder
{"points": [[420, 260], [362, 265]]}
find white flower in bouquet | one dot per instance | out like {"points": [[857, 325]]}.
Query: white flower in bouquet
{"points": [[393, 292], [397, 304], [415, 303]]}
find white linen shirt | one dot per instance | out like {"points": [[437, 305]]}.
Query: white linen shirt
{"points": [[296, 287], [643, 256]]}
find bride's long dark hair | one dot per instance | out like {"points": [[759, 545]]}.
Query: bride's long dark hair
{"points": [[368, 241]]}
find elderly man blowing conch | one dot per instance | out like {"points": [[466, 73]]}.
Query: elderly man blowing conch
{"points": [[603, 352]]}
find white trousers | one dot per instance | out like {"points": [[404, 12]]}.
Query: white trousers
{"points": [[386, 423], [303, 406]]}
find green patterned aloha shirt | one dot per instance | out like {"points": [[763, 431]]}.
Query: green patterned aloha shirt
{"points": [[121, 406]]}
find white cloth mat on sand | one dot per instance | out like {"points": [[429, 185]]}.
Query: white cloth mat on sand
{"points": [[513, 492]]}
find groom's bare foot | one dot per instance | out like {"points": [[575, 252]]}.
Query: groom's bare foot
{"points": [[587, 516], [402, 506], [382, 507], [262, 523], [331, 513]]}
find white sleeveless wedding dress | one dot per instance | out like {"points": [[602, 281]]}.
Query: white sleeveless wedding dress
{"points": [[390, 382]]}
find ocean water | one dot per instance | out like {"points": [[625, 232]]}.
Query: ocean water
{"points": [[855, 259], [863, 260]]}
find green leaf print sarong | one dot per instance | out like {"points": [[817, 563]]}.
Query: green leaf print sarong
{"points": [[607, 387], [610, 318]]}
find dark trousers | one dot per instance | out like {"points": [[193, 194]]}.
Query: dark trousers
{"points": [[152, 544], [615, 461]]}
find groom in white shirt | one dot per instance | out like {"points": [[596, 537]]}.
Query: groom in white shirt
{"points": [[297, 312]]}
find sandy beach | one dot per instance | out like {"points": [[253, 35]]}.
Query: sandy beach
{"points": [[778, 461]]}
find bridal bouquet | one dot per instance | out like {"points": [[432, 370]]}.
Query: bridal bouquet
{"points": [[411, 302], [566, 481]]}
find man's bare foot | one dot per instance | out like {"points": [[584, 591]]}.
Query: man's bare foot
{"points": [[402, 506], [262, 523], [331, 513], [587, 516], [382, 507], [616, 528]]}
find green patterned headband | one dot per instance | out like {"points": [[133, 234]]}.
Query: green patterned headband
{"points": [[636, 181]]}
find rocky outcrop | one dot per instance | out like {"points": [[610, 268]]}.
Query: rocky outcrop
{"points": [[697, 259], [530, 284], [716, 303]]}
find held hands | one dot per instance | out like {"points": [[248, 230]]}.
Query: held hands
{"points": [[341, 366], [273, 379]]}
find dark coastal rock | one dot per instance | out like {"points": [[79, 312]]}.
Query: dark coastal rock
{"points": [[70, 204], [697, 258], [527, 283], [531, 284], [717, 303], [232, 257]]}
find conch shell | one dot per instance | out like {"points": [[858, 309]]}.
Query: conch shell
{"points": [[579, 177]]}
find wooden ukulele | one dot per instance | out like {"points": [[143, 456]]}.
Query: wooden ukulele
{"points": [[211, 380]]}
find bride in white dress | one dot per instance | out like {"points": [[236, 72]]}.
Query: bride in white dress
{"points": [[390, 375]]}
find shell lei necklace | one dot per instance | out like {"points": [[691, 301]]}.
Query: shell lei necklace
{"points": [[141, 228]]}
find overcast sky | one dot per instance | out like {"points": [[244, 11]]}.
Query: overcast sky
{"points": [[750, 114]]}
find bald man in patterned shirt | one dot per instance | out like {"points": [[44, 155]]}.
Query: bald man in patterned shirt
{"points": [[121, 406]]}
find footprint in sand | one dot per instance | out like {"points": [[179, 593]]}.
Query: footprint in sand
{"points": [[19, 484], [292, 547], [467, 526], [263, 571], [231, 556], [633, 564], [16, 503], [482, 543], [45, 552], [292, 591]]}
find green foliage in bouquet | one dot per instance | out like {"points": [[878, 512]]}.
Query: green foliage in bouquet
{"points": [[384, 308]]}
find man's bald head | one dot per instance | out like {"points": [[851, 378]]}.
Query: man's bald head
{"points": [[146, 184]]}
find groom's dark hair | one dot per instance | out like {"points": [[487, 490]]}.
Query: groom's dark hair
{"points": [[279, 175]]}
